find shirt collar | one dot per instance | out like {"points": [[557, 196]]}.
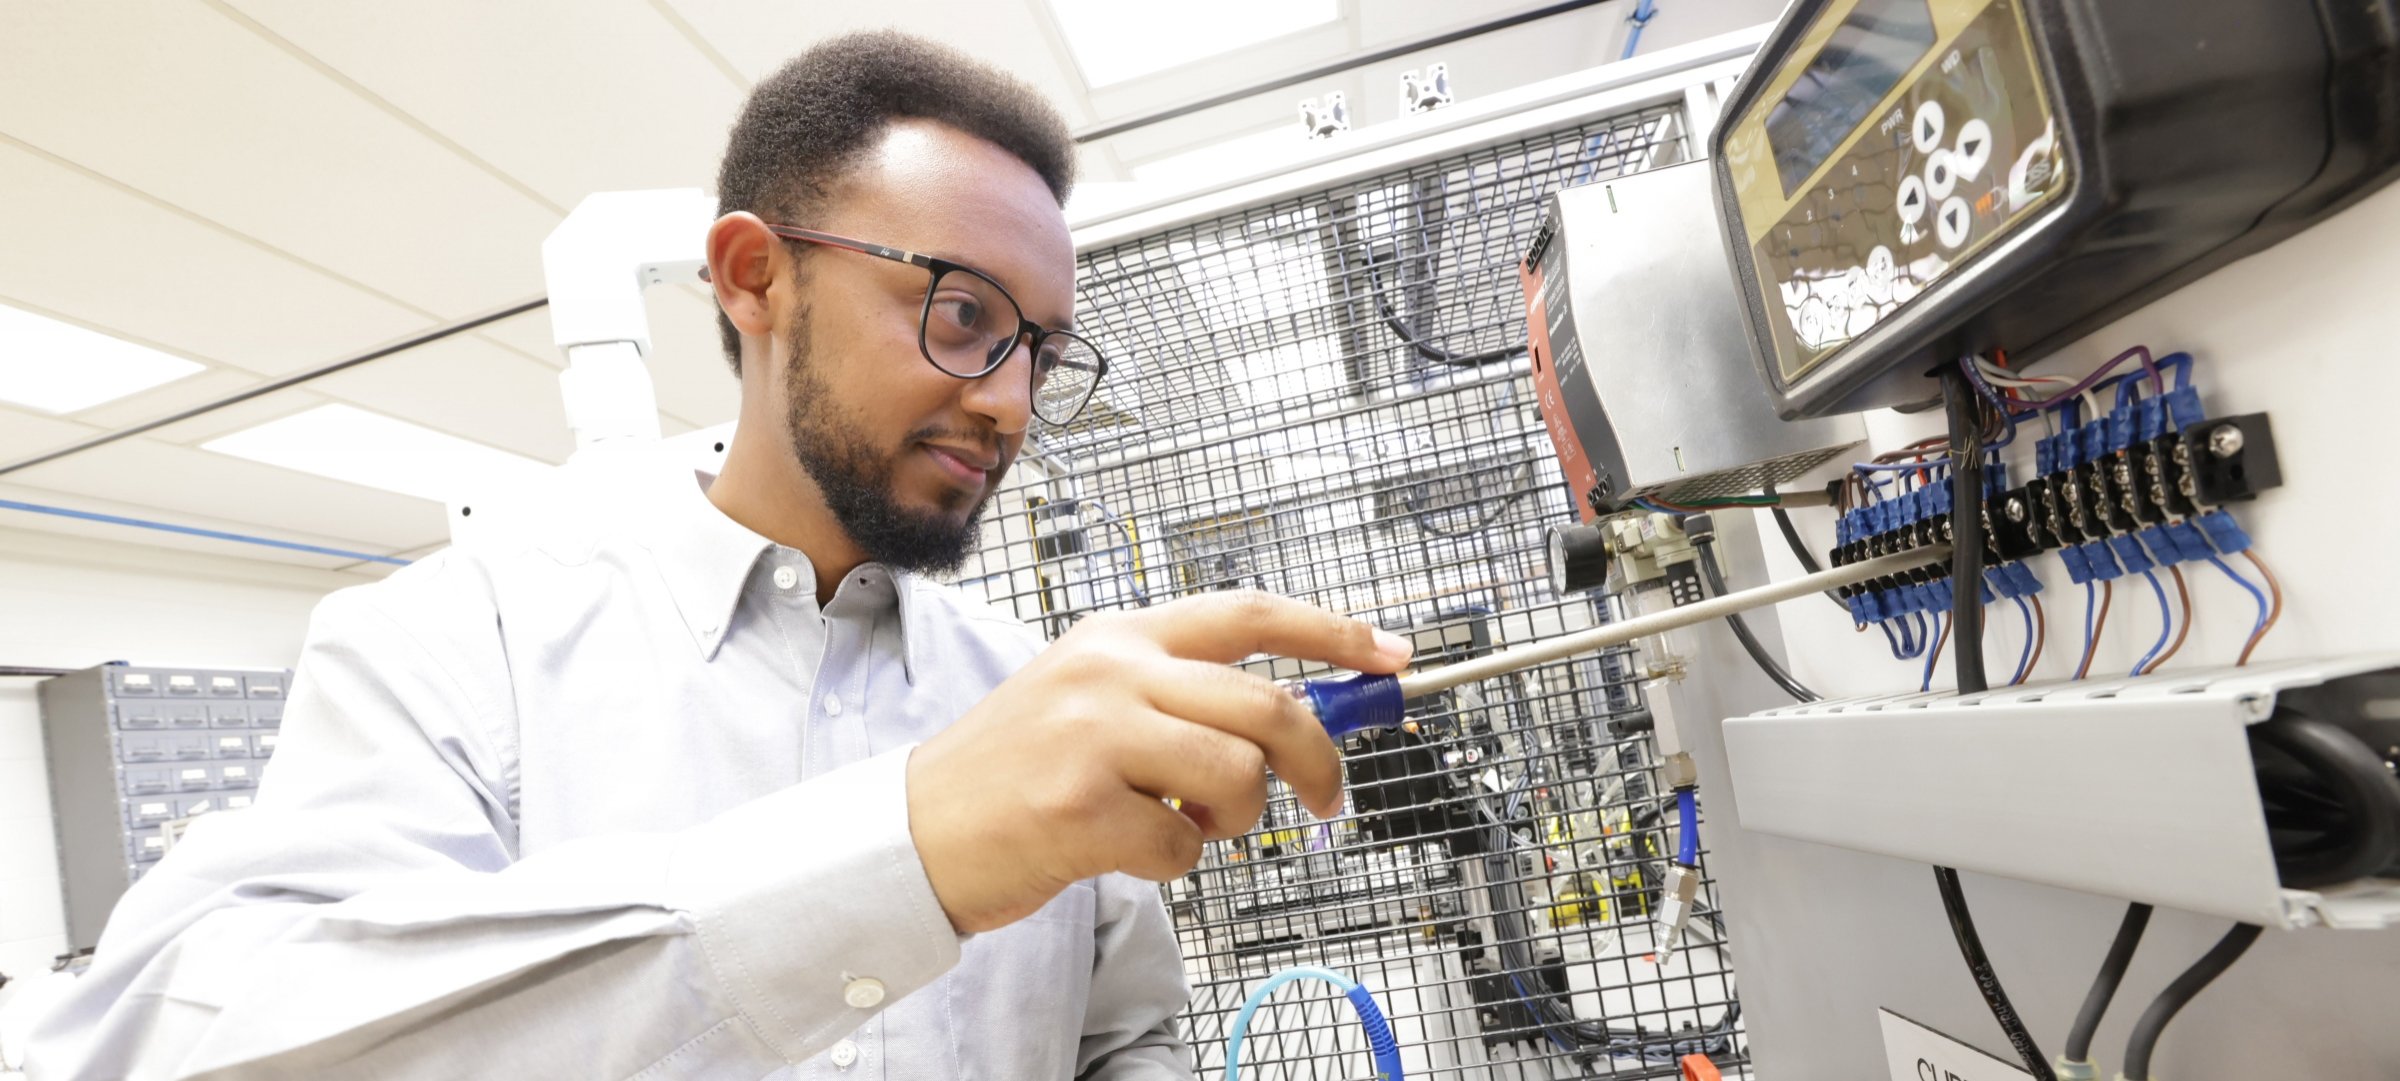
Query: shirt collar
{"points": [[706, 558]]}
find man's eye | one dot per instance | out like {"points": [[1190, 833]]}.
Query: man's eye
{"points": [[961, 312]]}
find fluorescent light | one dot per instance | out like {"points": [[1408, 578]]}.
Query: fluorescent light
{"points": [[1114, 40], [350, 444], [61, 368]]}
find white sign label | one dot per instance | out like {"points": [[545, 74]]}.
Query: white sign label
{"points": [[1917, 1053]]}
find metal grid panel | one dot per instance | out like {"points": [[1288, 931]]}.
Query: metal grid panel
{"points": [[1326, 398]]}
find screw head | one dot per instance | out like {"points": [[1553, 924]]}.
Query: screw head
{"points": [[2225, 440], [2016, 509]]}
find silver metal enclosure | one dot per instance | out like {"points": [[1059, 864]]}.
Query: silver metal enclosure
{"points": [[1655, 381]]}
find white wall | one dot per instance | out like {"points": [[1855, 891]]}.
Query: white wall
{"points": [[2303, 333], [71, 602]]}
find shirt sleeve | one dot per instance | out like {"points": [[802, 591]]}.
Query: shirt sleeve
{"points": [[1138, 989], [369, 917]]}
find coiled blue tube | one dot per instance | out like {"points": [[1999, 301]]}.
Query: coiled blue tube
{"points": [[1687, 817], [1380, 1043]]}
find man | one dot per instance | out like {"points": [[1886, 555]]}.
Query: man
{"points": [[721, 787]]}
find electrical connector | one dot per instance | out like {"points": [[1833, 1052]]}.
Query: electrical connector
{"points": [[1676, 899], [2070, 1070]]}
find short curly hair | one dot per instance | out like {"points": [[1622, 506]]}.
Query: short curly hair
{"points": [[813, 119]]}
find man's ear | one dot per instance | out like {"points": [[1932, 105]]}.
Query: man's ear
{"points": [[741, 267]]}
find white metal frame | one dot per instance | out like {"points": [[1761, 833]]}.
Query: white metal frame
{"points": [[2137, 788]]}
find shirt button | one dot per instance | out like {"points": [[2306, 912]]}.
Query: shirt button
{"points": [[863, 993], [833, 706], [845, 1053], [785, 577]]}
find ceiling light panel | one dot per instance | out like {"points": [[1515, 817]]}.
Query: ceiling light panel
{"points": [[1115, 41], [347, 443], [61, 368]]}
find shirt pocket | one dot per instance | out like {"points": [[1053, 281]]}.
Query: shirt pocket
{"points": [[1018, 995]]}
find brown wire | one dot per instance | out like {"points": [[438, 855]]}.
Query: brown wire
{"points": [[2041, 636], [2274, 612], [2183, 593], [2108, 593]]}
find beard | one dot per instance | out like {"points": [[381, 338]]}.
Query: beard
{"points": [[839, 454]]}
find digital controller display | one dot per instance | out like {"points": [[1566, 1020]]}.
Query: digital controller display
{"points": [[1866, 56]]}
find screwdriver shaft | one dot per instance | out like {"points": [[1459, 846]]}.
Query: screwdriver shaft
{"points": [[1697, 612]]}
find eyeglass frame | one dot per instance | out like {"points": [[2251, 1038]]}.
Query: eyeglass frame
{"points": [[938, 268]]}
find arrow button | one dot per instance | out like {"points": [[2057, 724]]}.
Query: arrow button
{"points": [[1928, 126], [1951, 224], [1974, 149]]}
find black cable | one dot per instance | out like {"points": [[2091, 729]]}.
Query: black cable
{"points": [[2104, 985], [1706, 546], [2333, 807], [1425, 349], [1966, 530], [2180, 994], [1966, 651], [1791, 536]]}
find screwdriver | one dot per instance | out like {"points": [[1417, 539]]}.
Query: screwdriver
{"points": [[1357, 702]]}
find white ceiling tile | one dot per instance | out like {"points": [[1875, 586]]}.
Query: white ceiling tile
{"points": [[95, 254], [179, 480], [240, 415], [759, 37], [187, 517], [601, 95], [188, 105], [24, 433], [528, 335], [159, 401], [467, 387]]}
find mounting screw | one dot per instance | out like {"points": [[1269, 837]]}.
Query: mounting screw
{"points": [[2016, 509], [2225, 441]]}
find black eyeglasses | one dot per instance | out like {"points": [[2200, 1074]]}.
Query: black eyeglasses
{"points": [[970, 325]]}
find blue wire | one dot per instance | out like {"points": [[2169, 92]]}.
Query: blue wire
{"points": [[194, 531], [2025, 658], [1931, 655], [1892, 640], [1687, 816], [2255, 594], [1924, 638], [1642, 13], [2166, 623], [1384, 1048]]}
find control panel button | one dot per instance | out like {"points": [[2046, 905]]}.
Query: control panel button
{"points": [[1927, 128], [1974, 149], [1952, 222], [1913, 200], [1940, 175], [1880, 270]]}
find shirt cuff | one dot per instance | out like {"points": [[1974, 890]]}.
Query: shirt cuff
{"points": [[812, 905]]}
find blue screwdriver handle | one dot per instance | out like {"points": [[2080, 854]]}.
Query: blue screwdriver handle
{"points": [[1353, 703]]}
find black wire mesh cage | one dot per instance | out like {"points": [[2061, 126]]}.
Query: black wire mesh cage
{"points": [[1327, 398]]}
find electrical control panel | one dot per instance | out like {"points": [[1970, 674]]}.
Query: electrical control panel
{"points": [[1906, 181], [135, 754]]}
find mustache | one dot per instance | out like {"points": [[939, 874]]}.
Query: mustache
{"points": [[983, 439]]}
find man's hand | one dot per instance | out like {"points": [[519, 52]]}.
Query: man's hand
{"points": [[1059, 774]]}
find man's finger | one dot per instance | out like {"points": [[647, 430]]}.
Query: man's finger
{"points": [[1254, 709], [1226, 627], [1172, 757], [1153, 841]]}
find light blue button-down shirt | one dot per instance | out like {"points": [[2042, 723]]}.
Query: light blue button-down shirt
{"points": [[618, 802]]}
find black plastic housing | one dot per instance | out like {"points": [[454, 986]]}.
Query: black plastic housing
{"points": [[2199, 131]]}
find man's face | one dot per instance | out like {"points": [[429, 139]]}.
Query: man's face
{"points": [[906, 455]]}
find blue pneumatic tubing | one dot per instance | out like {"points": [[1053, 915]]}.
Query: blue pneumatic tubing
{"points": [[1687, 815], [1380, 1043], [1354, 703]]}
